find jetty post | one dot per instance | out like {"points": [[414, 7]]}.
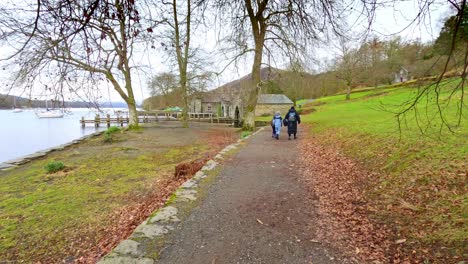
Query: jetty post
{"points": [[97, 120]]}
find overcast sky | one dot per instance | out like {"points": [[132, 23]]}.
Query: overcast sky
{"points": [[389, 22]]}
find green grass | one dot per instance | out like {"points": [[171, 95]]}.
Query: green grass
{"points": [[422, 162], [44, 217], [263, 118]]}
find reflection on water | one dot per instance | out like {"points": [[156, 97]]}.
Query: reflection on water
{"points": [[24, 133]]}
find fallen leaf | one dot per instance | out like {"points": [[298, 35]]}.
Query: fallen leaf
{"points": [[399, 241]]}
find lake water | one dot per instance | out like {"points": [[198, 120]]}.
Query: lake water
{"points": [[24, 133]]}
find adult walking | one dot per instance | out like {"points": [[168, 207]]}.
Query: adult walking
{"points": [[293, 119]]}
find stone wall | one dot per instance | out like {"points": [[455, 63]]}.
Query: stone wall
{"points": [[270, 109]]}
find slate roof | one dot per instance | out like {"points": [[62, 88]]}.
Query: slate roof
{"points": [[274, 99]]}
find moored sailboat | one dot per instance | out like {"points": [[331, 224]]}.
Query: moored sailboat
{"points": [[49, 113], [15, 108]]}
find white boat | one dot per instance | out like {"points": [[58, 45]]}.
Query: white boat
{"points": [[16, 109], [50, 114]]}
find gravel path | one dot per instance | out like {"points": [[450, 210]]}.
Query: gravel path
{"points": [[256, 211]]}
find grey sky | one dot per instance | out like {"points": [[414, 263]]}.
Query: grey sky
{"points": [[390, 21]]}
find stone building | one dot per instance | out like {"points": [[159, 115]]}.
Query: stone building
{"points": [[228, 100], [268, 104], [218, 102]]}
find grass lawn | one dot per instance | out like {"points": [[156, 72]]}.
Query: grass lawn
{"points": [[423, 168], [51, 217]]}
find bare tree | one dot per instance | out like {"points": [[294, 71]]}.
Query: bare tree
{"points": [[94, 39], [266, 27], [293, 80], [181, 17], [163, 84], [165, 89], [347, 64]]}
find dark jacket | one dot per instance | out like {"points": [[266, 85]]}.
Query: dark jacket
{"points": [[293, 119]]}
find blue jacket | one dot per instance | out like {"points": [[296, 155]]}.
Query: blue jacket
{"points": [[277, 121]]}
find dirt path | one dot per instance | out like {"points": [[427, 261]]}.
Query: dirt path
{"points": [[255, 212]]}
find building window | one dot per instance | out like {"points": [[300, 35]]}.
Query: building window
{"points": [[208, 108]]}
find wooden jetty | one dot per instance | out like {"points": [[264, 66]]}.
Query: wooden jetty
{"points": [[154, 116]]}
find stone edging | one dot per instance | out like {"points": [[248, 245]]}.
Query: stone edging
{"points": [[9, 164], [149, 234]]}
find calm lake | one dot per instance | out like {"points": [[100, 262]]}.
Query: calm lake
{"points": [[24, 133]]}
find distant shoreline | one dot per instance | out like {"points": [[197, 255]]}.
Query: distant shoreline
{"points": [[10, 101]]}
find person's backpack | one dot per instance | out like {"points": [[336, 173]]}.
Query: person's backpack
{"points": [[292, 117]]}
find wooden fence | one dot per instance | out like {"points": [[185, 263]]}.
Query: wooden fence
{"points": [[154, 116]]}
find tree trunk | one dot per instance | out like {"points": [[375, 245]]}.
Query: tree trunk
{"points": [[183, 84], [249, 121], [129, 98], [182, 58], [254, 88], [133, 114], [348, 92]]}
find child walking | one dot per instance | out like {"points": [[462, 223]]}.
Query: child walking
{"points": [[276, 124]]}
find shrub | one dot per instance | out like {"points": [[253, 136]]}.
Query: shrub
{"points": [[245, 134], [109, 132], [107, 137], [54, 166], [113, 129]]}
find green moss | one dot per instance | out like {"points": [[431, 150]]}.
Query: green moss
{"points": [[171, 199]]}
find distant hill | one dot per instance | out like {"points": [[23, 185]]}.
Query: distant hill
{"points": [[8, 102], [294, 85]]}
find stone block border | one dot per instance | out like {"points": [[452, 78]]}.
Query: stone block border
{"points": [[142, 247], [10, 164]]}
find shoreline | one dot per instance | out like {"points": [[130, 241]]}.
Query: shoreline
{"points": [[13, 163], [104, 192]]}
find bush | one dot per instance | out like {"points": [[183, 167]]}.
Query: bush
{"points": [[54, 166], [108, 138], [113, 129]]}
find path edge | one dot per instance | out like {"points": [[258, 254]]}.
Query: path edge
{"points": [[144, 244]]}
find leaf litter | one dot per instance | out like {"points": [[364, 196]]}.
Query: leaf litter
{"points": [[344, 213]]}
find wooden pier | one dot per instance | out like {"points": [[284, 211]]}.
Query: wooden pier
{"points": [[154, 116]]}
